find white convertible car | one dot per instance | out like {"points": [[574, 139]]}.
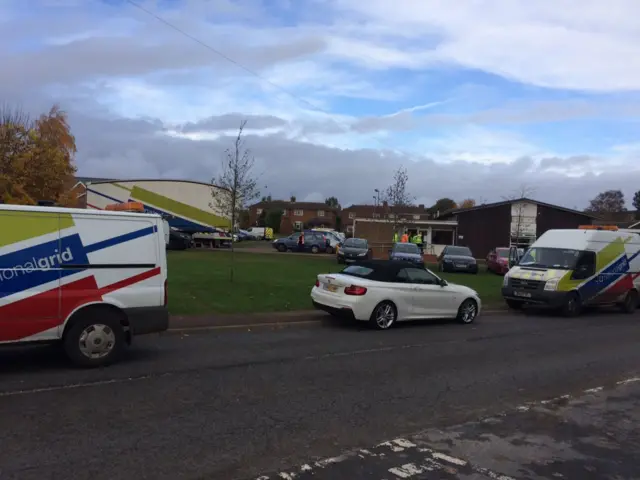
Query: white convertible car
{"points": [[384, 292]]}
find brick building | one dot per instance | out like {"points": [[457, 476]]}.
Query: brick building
{"points": [[381, 212], [295, 215]]}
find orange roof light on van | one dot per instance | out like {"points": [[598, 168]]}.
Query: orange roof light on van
{"points": [[612, 228], [126, 207]]}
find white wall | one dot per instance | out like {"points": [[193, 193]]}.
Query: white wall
{"points": [[523, 219]]}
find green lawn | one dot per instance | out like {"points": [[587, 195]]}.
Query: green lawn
{"points": [[199, 282]]}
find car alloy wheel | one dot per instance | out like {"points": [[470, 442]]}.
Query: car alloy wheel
{"points": [[384, 316], [468, 311]]}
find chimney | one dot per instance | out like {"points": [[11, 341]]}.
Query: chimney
{"points": [[421, 206], [385, 204]]}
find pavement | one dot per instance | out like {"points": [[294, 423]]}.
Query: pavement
{"points": [[508, 397]]}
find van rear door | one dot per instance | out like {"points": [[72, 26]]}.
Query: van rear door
{"points": [[30, 257]]}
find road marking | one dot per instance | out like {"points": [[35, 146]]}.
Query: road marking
{"points": [[430, 460], [74, 386]]}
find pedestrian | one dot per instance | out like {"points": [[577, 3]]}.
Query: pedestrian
{"points": [[395, 237], [301, 242], [405, 238]]}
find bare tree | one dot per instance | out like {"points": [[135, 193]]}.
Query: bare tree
{"points": [[517, 214], [397, 197], [242, 187]]}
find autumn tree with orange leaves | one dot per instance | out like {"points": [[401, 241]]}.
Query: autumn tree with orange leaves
{"points": [[36, 157], [467, 203]]}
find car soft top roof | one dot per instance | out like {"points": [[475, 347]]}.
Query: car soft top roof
{"points": [[383, 270]]}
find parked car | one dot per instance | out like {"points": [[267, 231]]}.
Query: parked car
{"points": [[334, 240], [498, 260], [383, 292], [178, 240], [353, 250], [457, 259], [241, 236], [408, 252], [314, 242]]}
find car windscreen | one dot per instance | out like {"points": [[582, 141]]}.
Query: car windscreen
{"points": [[355, 243], [544, 257], [406, 248], [358, 271], [462, 251]]}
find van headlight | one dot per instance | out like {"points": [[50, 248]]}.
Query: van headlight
{"points": [[551, 285], [505, 282]]}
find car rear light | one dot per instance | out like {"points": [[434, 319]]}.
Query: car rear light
{"points": [[166, 293], [317, 283], [355, 290]]}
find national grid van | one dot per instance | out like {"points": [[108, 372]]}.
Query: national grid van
{"points": [[89, 279], [568, 269]]}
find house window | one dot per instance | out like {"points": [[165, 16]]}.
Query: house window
{"points": [[321, 213], [376, 215], [297, 225], [284, 212], [350, 229], [352, 215], [259, 211], [298, 213], [416, 217]]}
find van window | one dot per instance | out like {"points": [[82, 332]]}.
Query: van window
{"points": [[585, 265], [545, 257]]}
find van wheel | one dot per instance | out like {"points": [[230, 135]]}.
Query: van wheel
{"points": [[572, 305], [95, 340], [329, 250], [630, 302]]}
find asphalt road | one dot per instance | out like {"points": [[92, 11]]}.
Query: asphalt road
{"points": [[240, 404]]}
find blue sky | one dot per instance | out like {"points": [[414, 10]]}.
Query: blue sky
{"points": [[343, 85]]}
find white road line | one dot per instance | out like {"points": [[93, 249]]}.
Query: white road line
{"points": [[447, 458]]}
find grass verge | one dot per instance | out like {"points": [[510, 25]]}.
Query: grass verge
{"points": [[199, 282]]}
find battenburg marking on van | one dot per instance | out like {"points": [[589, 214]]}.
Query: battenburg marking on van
{"points": [[18, 226]]}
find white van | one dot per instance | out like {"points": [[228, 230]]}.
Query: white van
{"points": [[90, 279], [572, 268]]}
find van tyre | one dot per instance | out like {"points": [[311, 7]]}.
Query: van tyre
{"points": [[96, 339], [630, 302], [572, 305]]}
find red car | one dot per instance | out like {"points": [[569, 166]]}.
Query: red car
{"points": [[498, 260]]}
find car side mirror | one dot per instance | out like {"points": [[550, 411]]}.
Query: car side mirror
{"points": [[443, 282]]}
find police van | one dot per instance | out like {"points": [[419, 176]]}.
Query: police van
{"points": [[89, 279], [569, 269]]}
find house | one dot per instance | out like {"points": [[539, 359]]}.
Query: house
{"points": [[296, 215], [382, 212], [511, 222], [79, 188]]}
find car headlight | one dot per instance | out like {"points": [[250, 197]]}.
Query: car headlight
{"points": [[362, 254], [446, 260], [340, 252], [551, 285], [505, 282]]}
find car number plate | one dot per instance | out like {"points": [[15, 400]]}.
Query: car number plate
{"points": [[349, 260], [522, 294], [331, 288], [460, 265]]}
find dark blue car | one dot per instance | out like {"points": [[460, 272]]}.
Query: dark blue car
{"points": [[407, 252], [314, 242]]}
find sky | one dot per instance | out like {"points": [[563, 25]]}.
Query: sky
{"points": [[476, 99]]}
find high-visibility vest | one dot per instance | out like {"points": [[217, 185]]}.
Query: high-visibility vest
{"points": [[418, 239], [405, 238], [395, 237]]}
